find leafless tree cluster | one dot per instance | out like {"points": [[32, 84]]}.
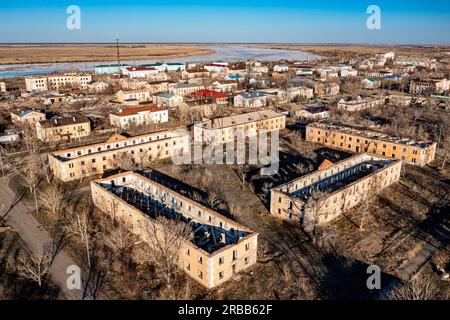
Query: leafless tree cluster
{"points": [[418, 288], [35, 266]]}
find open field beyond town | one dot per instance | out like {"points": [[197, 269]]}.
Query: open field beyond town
{"points": [[53, 53]]}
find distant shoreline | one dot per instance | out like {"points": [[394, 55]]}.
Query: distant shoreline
{"points": [[17, 54]]}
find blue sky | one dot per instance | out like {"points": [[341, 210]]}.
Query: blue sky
{"points": [[319, 21]]}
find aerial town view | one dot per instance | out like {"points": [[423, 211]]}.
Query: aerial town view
{"points": [[257, 151]]}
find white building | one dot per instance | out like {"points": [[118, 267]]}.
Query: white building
{"points": [[2, 87], [167, 100], [164, 67], [225, 86], [139, 72], [138, 116], [26, 116], [313, 113], [281, 68], [360, 104], [57, 82], [250, 100], [138, 95]]}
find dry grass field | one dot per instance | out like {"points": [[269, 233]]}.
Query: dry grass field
{"points": [[329, 49], [17, 54]]}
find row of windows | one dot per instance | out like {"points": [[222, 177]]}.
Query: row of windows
{"points": [[117, 145]]}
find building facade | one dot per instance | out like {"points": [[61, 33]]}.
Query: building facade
{"points": [[250, 100], [63, 128], [224, 130], [138, 95], [138, 116], [429, 86], [358, 140], [78, 163], [360, 104], [26, 116], [216, 250], [68, 80], [318, 198]]}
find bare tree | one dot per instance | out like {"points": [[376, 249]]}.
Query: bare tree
{"points": [[120, 240], [78, 224], [166, 237], [418, 288], [314, 204], [125, 162], [35, 266], [54, 199], [31, 177]]}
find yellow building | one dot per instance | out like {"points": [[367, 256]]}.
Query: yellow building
{"points": [[358, 140], [78, 163], [63, 128], [224, 130], [218, 247], [319, 197]]}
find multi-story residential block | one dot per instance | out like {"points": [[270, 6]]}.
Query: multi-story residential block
{"points": [[78, 163], [79, 81], [2, 87], [185, 89], [138, 116], [318, 198], [26, 116], [216, 248], [250, 100], [360, 104], [137, 95], [63, 128], [429, 86], [68, 80], [223, 130], [36, 84], [357, 139]]}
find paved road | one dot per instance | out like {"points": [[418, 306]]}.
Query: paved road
{"points": [[35, 236]]}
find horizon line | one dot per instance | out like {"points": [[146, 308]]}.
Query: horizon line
{"points": [[233, 43]]}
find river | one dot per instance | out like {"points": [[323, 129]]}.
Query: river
{"points": [[222, 53]]}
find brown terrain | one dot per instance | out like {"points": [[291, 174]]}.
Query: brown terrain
{"points": [[330, 49], [18, 54]]}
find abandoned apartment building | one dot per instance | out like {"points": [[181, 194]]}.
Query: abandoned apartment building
{"points": [[224, 130], [81, 162], [319, 197], [356, 139], [217, 247]]}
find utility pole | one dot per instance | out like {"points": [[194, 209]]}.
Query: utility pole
{"points": [[118, 56], [1, 162]]}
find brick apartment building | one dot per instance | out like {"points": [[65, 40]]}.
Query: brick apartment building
{"points": [[78, 163], [223, 130], [343, 185], [218, 248], [358, 140]]}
